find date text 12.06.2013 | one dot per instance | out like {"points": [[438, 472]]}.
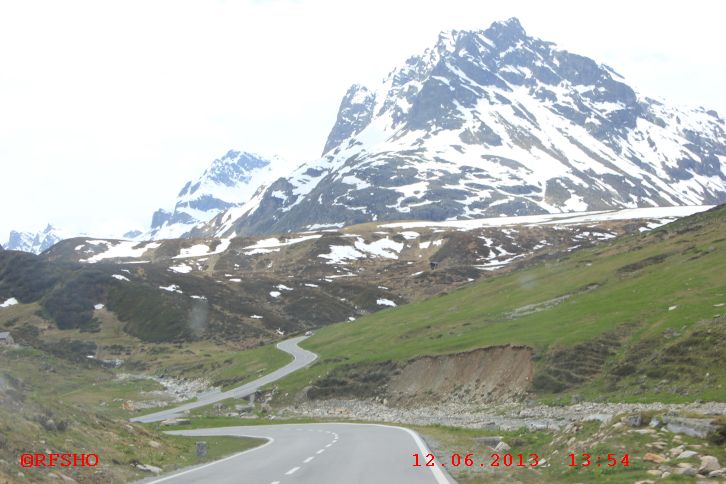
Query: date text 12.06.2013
{"points": [[472, 460]]}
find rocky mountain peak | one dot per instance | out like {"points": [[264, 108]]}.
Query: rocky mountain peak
{"points": [[34, 242], [226, 183], [506, 33], [354, 114], [496, 122]]}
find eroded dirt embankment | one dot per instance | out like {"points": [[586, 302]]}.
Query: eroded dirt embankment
{"points": [[493, 374], [484, 375]]}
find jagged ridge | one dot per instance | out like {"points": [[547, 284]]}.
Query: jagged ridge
{"points": [[227, 182], [494, 122]]}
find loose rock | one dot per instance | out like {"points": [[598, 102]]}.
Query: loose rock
{"points": [[148, 468], [502, 447], [693, 427], [687, 454], [657, 458], [488, 441], [633, 420], [708, 464], [685, 471]]}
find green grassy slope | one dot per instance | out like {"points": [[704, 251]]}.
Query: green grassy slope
{"points": [[637, 318], [49, 404]]}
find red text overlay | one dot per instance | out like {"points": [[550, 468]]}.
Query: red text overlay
{"points": [[59, 460]]}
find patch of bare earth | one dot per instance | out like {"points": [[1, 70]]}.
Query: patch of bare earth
{"points": [[485, 375], [492, 374]]}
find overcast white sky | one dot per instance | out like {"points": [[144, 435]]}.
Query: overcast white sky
{"points": [[107, 108]]}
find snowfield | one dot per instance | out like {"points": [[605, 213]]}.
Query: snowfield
{"points": [[275, 242], [385, 248], [666, 214], [201, 250], [9, 302], [385, 302], [125, 249], [181, 268]]}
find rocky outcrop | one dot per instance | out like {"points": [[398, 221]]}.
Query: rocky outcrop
{"points": [[693, 427]]}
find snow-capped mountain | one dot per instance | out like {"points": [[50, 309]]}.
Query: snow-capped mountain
{"points": [[489, 123], [228, 182], [35, 242]]}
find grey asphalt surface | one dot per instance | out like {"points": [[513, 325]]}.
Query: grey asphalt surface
{"points": [[325, 453], [302, 358]]}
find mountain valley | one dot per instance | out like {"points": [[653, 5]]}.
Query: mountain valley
{"points": [[503, 246]]}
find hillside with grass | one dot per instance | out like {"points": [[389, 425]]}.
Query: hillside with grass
{"points": [[639, 318], [253, 291], [49, 404]]}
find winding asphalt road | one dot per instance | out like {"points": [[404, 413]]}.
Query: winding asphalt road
{"points": [[322, 453], [302, 358], [326, 453]]}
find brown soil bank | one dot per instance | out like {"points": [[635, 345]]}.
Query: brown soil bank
{"points": [[492, 374], [497, 373]]}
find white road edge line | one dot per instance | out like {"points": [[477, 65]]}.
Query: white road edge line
{"points": [[437, 472], [204, 466], [292, 471]]}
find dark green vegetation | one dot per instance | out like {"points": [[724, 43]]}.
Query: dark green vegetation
{"points": [[162, 294], [636, 319], [354, 381], [150, 315], [67, 293]]}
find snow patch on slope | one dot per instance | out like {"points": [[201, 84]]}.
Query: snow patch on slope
{"points": [[125, 249]]}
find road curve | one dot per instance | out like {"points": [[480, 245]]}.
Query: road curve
{"points": [[302, 358], [324, 453]]}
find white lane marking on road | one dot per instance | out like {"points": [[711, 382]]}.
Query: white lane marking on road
{"points": [[328, 445], [275, 482], [270, 440], [292, 471], [320, 451], [308, 459]]}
